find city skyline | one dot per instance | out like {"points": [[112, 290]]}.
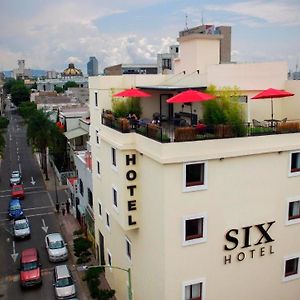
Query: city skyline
{"points": [[59, 32]]}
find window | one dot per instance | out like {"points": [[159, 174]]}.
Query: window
{"points": [[90, 198], [195, 176], [96, 99], [97, 137], [193, 291], [291, 268], [295, 163], [113, 156], [128, 249], [166, 63], [194, 229], [81, 187], [100, 209], [115, 197], [98, 167], [107, 220], [294, 210]]}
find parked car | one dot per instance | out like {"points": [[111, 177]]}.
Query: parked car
{"points": [[56, 247], [15, 178], [14, 209], [17, 191], [21, 228], [30, 268], [63, 283]]}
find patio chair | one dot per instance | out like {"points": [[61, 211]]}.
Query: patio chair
{"points": [[284, 120], [257, 123]]}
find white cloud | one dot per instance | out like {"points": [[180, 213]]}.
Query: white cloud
{"points": [[272, 12]]}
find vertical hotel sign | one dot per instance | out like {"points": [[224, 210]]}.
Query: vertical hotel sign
{"points": [[131, 191]]}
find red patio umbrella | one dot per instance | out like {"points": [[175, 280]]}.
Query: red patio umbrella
{"points": [[270, 94], [133, 92], [190, 96]]}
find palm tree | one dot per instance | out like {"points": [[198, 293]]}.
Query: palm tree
{"points": [[39, 132]]}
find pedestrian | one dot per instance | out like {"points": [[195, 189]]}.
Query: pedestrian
{"points": [[57, 207], [68, 206], [63, 209]]}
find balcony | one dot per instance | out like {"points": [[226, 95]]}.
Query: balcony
{"points": [[170, 132]]}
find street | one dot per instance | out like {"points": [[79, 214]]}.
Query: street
{"points": [[38, 208]]}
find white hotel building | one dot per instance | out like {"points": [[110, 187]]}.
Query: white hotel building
{"points": [[234, 235]]}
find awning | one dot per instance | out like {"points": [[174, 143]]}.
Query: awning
{"points": [[71, 134]]}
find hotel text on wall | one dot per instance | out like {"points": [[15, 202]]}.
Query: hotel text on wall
{"points": [[249, 242], [131, 190]]}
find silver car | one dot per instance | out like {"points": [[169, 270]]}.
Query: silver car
{"points": [[56, 247], [63, 283], [21, 228], [15, 178]]}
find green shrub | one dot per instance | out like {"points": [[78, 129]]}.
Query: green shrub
{"points": [[3, 122], [225, 109], [81, 245]]}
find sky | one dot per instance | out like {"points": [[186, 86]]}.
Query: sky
{"points": [[51, 34]]}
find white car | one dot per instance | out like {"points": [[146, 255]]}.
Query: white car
{"points": [[15, 178], [21, 228], [63, 283], [56, 247]]}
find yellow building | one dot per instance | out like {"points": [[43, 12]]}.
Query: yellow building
{"points": [[204, 219]]}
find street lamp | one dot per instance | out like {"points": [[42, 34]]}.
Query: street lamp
{"points": [[85, 268]]}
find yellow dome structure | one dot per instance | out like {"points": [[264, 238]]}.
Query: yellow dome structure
{"points": [[72, 71]]}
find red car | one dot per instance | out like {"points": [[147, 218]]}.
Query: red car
{"points": [[30, 268], [17, 191]]}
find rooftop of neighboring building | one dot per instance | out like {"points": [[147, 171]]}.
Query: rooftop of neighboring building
{"points": [[75, 112]]}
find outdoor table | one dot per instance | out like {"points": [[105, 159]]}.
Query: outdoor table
{"points": [[272, 122]]}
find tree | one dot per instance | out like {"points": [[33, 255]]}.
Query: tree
{"points": [[39, 133], [70, 84], [19, 93], [27, 109], [59, 89], [3, 125]]}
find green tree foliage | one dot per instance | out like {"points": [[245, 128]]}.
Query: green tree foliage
{"points": [[27, 109], [19, 93], [59, 89], [225, 109], [121, 108], [70, 84], [39, 132], [92, 278], [9, 83], [3, 122], [3, 125]]}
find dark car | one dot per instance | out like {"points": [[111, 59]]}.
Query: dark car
{"points": [[30, 268], [14, 209]]}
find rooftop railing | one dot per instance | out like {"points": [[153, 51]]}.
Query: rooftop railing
{"points": [[167, 132]]}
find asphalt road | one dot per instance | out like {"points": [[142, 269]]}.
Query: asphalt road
{"points": [[38, 207]]}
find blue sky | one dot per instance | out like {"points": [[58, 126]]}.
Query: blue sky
{"points": [[50, 34]]}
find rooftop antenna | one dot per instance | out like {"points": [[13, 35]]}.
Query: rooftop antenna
{"points": [[186, 22], [202, 19], [297, 65]]}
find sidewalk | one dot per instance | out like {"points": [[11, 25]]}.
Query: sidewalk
{"points": [[68, 224]]}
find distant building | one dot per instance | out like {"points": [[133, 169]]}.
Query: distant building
{"points": [[71, 71], [51, 74], [92, 66], [131, 69], [165, 61], [21, 72]]}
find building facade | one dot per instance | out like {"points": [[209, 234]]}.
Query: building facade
{"points": [[131, 69], [92, 66], [204, 219]]}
